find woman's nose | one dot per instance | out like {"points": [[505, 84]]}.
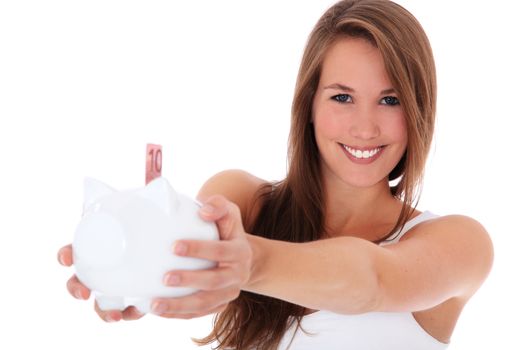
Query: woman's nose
{"points": [[364, 126]]}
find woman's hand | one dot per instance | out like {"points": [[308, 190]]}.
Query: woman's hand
{"points": [[219, 285], [80, 291]]}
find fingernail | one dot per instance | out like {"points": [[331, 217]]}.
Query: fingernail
{"points": [[172, 280], [78, 294], [112, 317], [207, 209], [159, 307], [180, 248], [61, 260]]}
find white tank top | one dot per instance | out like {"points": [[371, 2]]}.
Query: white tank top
{"points": [[369, 331]]}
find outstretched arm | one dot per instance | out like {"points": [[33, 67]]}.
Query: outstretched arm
{"points": [[441, 259], [335, 274], [437, 260], [445, 258]]}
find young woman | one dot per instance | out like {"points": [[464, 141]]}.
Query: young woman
{"points": [[336, 256]]}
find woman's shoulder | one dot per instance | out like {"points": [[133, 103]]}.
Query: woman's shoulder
{"points": [[453, 222], [429, 220], [236, 185], [459, 233]]}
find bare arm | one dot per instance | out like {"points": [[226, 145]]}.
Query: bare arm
{"points": [[437, 260], [334, 274], [446, 258]]}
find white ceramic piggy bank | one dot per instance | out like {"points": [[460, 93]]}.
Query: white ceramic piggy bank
{"points": [[123, 245]]}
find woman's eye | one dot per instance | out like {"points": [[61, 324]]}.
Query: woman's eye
{"points": [[343, 98], [390, 100]]}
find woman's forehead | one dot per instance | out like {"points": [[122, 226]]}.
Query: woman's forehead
{"points": [[354, 62]]}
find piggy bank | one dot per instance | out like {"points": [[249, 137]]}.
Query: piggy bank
{"points": [[123, 244]]}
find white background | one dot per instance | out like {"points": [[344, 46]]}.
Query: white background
{"points": [[84, 85]]}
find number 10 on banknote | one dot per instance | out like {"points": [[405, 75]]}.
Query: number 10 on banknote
{"points": [[153, 162]]}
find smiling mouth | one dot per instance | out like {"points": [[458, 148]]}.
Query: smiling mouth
{"points": [[363, 153]]}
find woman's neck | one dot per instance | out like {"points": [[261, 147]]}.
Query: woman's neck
{"points": [[359, 211]]}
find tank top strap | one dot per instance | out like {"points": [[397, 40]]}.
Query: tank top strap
{"points": [[396, 236]]}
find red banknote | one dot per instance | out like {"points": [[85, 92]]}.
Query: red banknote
{"points": [[153, 162]]}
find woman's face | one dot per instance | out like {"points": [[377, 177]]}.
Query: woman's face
{"points": [[360, 127]]}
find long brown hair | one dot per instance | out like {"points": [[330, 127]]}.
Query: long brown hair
{"points": [[293, 209]]}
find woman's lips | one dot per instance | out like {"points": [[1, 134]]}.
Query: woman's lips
{"points": [[362, 155]]}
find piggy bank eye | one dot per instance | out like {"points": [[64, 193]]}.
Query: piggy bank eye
{"points": [[93, 208]]}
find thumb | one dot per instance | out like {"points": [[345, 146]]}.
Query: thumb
{"points": [[226, 215]]}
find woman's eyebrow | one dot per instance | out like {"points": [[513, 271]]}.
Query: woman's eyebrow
{"points": [[339, 87], [388, 91], [342, 87]]}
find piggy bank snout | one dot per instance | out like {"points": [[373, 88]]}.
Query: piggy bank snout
{"points": [[99, 241]]}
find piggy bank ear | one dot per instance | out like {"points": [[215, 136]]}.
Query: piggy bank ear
{"points": [[94, 190], [160, 192]]}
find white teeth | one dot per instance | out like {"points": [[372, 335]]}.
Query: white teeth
{"points": [[362, 154]]}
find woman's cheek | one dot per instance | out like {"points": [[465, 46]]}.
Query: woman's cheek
{"points": [[394, 125], [329, 123], [400, 126]]}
